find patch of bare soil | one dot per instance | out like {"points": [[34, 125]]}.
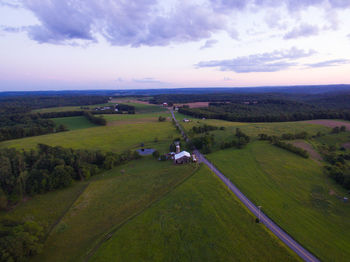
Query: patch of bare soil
{"points": [[312, 152], [347, 145], [195, 104], [329, 123]]}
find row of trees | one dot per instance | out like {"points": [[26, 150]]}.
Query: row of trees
{"points": [[48, 168], [94, 119], [246, 116], [241, 140], [25, 104], [205, 128], [296, 150]]}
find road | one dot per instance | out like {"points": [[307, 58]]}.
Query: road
{"points": [[275, 229]]}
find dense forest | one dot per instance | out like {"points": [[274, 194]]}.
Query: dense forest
{"points": [[263, 107], [269, 110]]}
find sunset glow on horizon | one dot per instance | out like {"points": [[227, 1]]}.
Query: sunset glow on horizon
{"points": [[76, 44]]}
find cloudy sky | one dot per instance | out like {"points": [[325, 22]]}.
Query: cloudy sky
{"points": [[119, 44]]}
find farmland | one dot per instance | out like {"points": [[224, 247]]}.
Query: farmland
{"points": [[149, 210], [295, 193], [108, 138], [74, 122], [199, 221], [108, 202]]}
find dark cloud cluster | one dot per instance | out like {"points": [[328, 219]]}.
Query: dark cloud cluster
{"points": [[147, 22], [266, 62], [124, 22]]}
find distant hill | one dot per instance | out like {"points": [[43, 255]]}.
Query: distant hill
{"points": [[301, 89]]}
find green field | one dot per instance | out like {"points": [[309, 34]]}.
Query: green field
{"points": [[145, 117], [201, 220], [46, 209], [110, 200], [68, 108], [295, 193], [108, 138], [74, 122]]}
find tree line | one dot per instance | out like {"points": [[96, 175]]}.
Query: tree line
{"points": [[205, 128], [49, 168], [95, 119]]}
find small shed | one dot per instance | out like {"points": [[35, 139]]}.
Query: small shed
{"points": [[182, 157]]}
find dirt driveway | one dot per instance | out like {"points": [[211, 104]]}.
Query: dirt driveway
{"points": [[312, 152]]}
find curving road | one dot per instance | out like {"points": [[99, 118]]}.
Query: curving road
{"points": [[288, 240]]}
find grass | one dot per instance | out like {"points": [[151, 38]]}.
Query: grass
{"points": [[251, 129], [295, 193], [74, 122], [109, 201], [107, 138], [146, 117], [200, 220], [334, 139], [47, 208], [68, 108]]}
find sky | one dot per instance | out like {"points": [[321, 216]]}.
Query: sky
{"points": [[139, 44]]}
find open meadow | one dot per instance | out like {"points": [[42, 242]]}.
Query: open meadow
{"points": [[117, 138], [74, 122], [201, 220], [295, 193], [87, 211]]}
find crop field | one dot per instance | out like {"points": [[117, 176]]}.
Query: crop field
{"points": [[199, 221], [109, 201], [108, 138], [74, 122], [295, 193]]}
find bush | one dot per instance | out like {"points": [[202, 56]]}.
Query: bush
{"points": [[161, 119], [155, 154]]}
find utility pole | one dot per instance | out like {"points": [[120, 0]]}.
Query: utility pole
{"points": [[259, 212]]}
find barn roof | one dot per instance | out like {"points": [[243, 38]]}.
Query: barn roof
{"points": [[182, 154]]}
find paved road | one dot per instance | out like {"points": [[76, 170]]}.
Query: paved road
{"points": [[288, 240]]}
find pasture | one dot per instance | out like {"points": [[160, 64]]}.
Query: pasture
{"points": [[254, 129], [107, 138], [109, 201], [46, 209], [68, 108], [201, 220], [295, 193], [74, 122]]}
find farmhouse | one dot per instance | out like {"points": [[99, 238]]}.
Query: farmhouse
{"points": [[182, 157], [186, 120]]}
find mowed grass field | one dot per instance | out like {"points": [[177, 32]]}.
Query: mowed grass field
{"points": [[295, 193], [68, 108], [110, 200], [201, 220], [46, 209], [74, 122], [134, 118], [108, 138]]}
